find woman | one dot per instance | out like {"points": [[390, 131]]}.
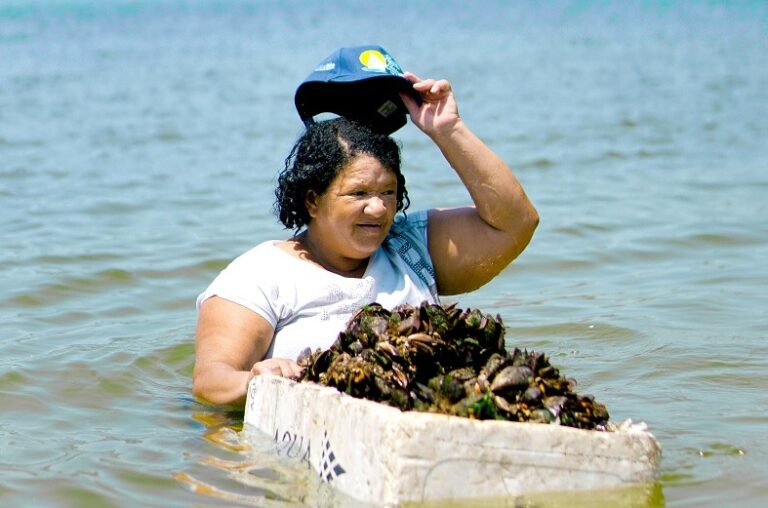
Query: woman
{"points": [[341, 189]]}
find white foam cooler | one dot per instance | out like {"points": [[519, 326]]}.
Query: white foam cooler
{"points": [[379, 454]]}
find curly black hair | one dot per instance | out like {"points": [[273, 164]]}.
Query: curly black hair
{"points": [[317, 158]]}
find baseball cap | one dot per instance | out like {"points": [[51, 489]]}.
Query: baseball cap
{"points": [[361, 83]]}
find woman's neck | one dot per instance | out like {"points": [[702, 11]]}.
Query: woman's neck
{"points": [[340, 265]]}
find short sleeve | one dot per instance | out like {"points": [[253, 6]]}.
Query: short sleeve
{"points": [[249, 281], [408, 239]]}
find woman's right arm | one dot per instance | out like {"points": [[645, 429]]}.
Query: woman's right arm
{"points": [[230, 344]]}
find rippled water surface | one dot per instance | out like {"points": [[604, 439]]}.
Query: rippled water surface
{"points": [[139, 142]]}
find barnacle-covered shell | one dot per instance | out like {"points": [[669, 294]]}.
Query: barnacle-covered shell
{"points": [[511, 377]]}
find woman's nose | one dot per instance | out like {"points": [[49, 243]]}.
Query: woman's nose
{"points": [[375, 206]]}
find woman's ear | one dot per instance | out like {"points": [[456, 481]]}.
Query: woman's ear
{"points": [[310, 201]]}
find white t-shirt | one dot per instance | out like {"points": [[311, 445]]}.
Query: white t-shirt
{"points": [[308, 306]]}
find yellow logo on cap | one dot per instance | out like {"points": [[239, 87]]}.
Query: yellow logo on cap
{"points": [[373, 60]]}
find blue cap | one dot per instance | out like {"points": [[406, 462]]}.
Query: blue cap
{"points": [[361, 83]]}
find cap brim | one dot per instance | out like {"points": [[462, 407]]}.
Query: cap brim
{"points": [[374, 101]]}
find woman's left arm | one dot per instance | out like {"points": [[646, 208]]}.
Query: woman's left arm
{"points": [[471, 245]]}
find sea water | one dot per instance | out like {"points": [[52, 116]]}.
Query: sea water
{"points": [[139, 144]]}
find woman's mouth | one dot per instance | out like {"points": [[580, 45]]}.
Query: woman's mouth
{"points": [[370, 228]]}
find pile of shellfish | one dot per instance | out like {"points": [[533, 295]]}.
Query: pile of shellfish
{"points": [[442, 359]]}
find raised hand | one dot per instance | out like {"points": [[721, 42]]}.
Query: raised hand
{"points": [[438, 113]]}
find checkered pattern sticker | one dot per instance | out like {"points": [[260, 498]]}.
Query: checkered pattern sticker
{"points": [[329, 467]]}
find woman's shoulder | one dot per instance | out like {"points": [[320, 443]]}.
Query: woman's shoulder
{"points": [[410, 221], [266, 249], [267, 254]]}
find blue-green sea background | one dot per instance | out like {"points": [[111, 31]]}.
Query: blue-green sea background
{"points": [[139, 143]]}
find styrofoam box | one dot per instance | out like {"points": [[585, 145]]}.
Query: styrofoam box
{"points": [[379, 454]]}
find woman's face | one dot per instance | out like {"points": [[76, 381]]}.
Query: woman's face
{"points": [[353, 216]]}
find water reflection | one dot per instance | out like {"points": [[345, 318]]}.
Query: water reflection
{"points": [[245, 467]]}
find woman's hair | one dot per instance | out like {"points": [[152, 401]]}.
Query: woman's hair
{"points": [[320, 154]]}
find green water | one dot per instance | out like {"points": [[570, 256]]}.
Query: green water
{"points": [[139, 143]]}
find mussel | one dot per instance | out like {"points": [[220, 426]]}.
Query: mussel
{"points": [[441, 359]]}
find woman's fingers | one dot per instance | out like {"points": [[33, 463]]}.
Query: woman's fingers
{"points": [[277, 367], [430, 88], [440, 87], [291, 369], [437, 111], [413, 78]]}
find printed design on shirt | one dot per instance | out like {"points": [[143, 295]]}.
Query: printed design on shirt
{"points": [[415, 260], [330, 468], [342, 302]]}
